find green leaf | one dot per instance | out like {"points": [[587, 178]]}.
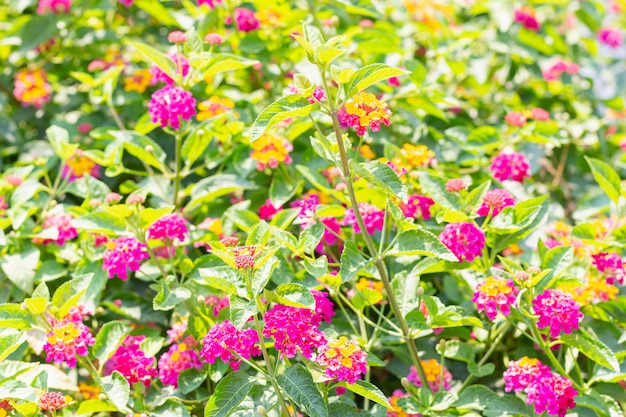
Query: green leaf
{"points": [[283, 189], [101, 221], [440, 315], [293, 105], [359, 7], [535, 41], [170, 295], [150, 215], [36, 305], [474, 198], [215, 186], [422, 242], [190, 379], [435, 186], [299, 386], [109, 338], [309, 239], [142, 147], [481, 370], [153, 56], [193, 43], [508, 405], [366, 297], [261, 276], [229, 393], [351, 262], [475, 397], [259, 235], [345, 410], [171, 408], [368, 390], [196, 143], [17, 390], [117, 390], [68, 294], [227, 62], [514, 219], [13, 316], [37, 30], [60, 142], [381, 176], [157, 10], [556, 260], [20, 268], [318, 267], [89, 188], [593, 349], [94, 406], [325, 54], [457, 350], [241, 310], [24, 193], [294, 295], [370, 75], [607, 178], [9, 342], [404, 287]]}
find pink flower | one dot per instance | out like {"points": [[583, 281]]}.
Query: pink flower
{"points": [[294, 330], [52, 401], [495, 294], [521, 373], [267, 210], [514, 118], [526, 17], [552, 393], [455, 185], [55, 6], [218, 303], [31, 87], [135, 199], [179, 328], [308, 206], [494, 201], [224, 338], [433, 371], [112, 198], [558, 311], [169, 104], [79, 165], [168, 228], [177, 37], [68, 339], [14, 180], [84, 128], [465, 240], [127, 3], [62, 222], [210, 3], [323, 307], [611, 37], [180, 63], [540, 114], [554, 72], [179, 357], [611, 263], [246, 20], [418, 206], [372, 217], [343, 359], [214, 39], [513, 166], [132, 362], [124, 254]]}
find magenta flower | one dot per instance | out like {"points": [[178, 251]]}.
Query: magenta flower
{"points": [[611, 263], [181, 65], [267, 211], [434, 372], [372, 216], [323, 307], [55, 6], [168, 228], [176, 332], [329, 238], [418, 206], [127, 3], [68, 339], [526, 17], [218, 303], [294, 330], [178, 358], [210, 3], [494, 201], [246, 20], [554, 72], [132, 362], [308, 206], [62, 222], [343, 359], [558, 311], [224, 338], [124, 254], [495, 294], [79, 165], [169, 104], [513, 166], [552, 393], [611, 37], [521, 373], [465, 240]]}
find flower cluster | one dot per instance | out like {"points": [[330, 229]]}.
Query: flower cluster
{"points": [[343, 359], [592, 291], [324, 308], [31, 87], [267, 211], [179, 357], [546, 390], [214, 106], [210, 3], [294, 330], [270, 150], [62, 223], [510, 166], [455, 185], [68, 339], [168, 228], [308, 206], [124, 254], [396, 410], [170, 104], [465, 240], [55, 6], [223, 339], [612, 264], [526, 17], [132, 362], [611, 37], [495, 294], [514, 118], [53, 400], [79, 165], [246, 20], [139, 81], [372, 216], [245, 256], [558, 311], [555, 71], [365, 111], [433, 371], [494, 201], [418, 207]]}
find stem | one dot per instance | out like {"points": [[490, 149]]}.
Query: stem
{"points": [[116, 116], [179, 142]]}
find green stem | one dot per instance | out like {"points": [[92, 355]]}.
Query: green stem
{"points": [[179, 142]]}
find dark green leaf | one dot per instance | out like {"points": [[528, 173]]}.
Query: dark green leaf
{"points": [[593, 349], [299, 386], [230, 391]]}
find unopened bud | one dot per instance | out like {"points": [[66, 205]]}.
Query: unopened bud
{"points": [[149, 148], [102, 396], [405, 383], [201, 299], [420, 292], [534, 270], [261, 410]]}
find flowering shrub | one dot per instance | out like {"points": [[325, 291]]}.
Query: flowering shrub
{"points": [[323, 208]]}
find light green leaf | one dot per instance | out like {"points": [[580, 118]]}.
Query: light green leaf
{"points": [[294, 295], [13, 316], [435, 186], [25, 192], [109, 338], [170, 295], [190, 379], [368, 390], [475, 397], [215, 186], [422, 242], [101, 221], [381, 176], [227, 62], [157, 10], [68, 294], [299, 386], [142, 148], [60, 142], [94, 406], [351, 262], [36, 305], [155, 57], [229, 393], [593, 349], [404, 287], [370, 75], [117, 390], [318, 267], [293, 105], [606, 177], [9, 342], [20, 268], [241, 310]]}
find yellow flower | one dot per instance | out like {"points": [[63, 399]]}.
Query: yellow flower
{"points": [[367, 153], [270, 17], [139, 81], [495, 286], [365, 111], [270, 150], [32, 87], [214, 106], [432, 369], [89, 392], [366, 283], [413, 156]]}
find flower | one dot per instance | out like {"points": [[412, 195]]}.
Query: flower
{"points": [[592, 291], [365, 111], [331, 232], [53, 400], [169, 104], [79, 165], [168, 228], [180, 63], [521, 373], [31, 87], [177, 331], [214, 38], [127, 3], [413, 156], [343, 359], [308, 207], [494, 201], [218, 303], [465, 240], [214, 106], [55, 6], [526, 16], [245, 256], [210, 3], [124, 254], [139, 81], [267, 210], [177, 37], [495, 294], [558, 311], [363, 283], [179, 357], [552, 393], [224, 337], [270, 150], [418, 206], [132, 362], [68, 338], [396, 410], [135, 199], [554, 72], [432, 370], [372, 217], [89, 392], [514, 118], [611, 37], [294, 330], [611, 263], [246, 20], [323, 307], [540, 114], [513, 166], [112, 198], [62, 222], [455, 185]]}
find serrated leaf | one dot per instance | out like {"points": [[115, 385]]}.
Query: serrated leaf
{"points": [[108, 339], [435, 186], [351, 262], [20, 268], [474, 198], [368, 390], [68, 294], [370, 75], [299, 386], [100, 221], [294, 295], [117, 390], [593, 349], [36, 305], [190, 379], [293, 105], [241, 310], [13, 316], [229, 393], [381, 176], [170, 295], [153, 56], [508, 405], [9, 343], [607, 178], [422, 242]]}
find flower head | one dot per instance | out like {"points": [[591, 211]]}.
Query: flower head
{"points": [[68, 339], [168, 228], [555, 71], [245, 256], [132, 362], [294, 330], [514, 118], [495, 294], [455, 185], [270, 150], [526, 17], [494, 201], [521, 373], [53, 400], [365, 111], [139, 81], [210, 3], [552, 393], [127, 3], [246, 20], [612, 264], [513, 166], [323, 307], [177, 331], [433, 370], [267, 211], [169, 104], [79, 165], [372, 216], [308, 207], [343, 359], [31, 87], [611, 37], [214, 106], [558, 311], [224, 338], [540, 114], [55, 6], [179, 357], [62, 222], [124, 254], [182, 68], [214, 38], [177, 37], [465, 240], [418, 206]]}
